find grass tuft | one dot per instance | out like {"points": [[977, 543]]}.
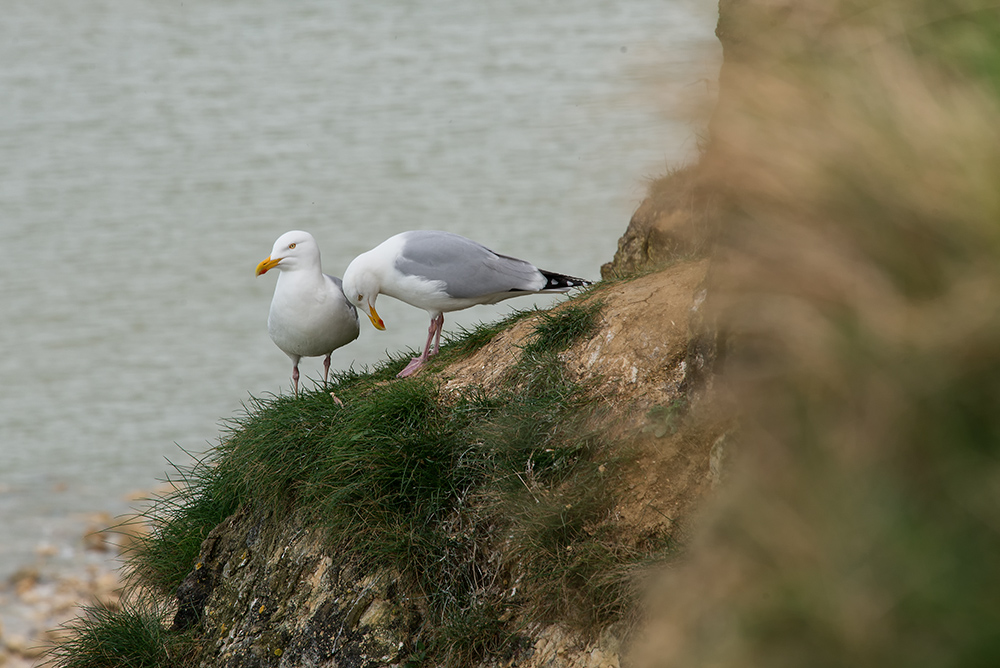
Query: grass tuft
{"points": [[558, 330], [467, 341], [179, 522], [129, 637], [472, 633]]}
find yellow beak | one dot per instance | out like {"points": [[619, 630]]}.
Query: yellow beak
{"points": [[267, 264], [377, 321]]}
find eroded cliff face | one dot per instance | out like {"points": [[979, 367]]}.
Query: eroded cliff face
{"points": [[271, 594], [267, 594], [676, 220]]}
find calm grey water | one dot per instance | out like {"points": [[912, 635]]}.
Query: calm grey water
{"points": [[151, 151]]}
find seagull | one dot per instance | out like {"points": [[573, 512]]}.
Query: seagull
{"points": [[441, 272], [309, 314]]}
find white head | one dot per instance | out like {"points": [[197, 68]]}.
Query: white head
{"points": [[361, 287], [291, 250]]}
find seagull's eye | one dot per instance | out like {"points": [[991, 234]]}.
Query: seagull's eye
{"points": [[360, 297], [291, 246]]}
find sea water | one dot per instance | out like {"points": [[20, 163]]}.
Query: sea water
{"points": [[151, 151]]}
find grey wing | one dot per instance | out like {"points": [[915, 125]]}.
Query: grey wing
{"points": [[468, 269], [340, 286]]}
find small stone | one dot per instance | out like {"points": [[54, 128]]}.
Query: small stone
{"points": [[24, 579], [20, 645], [96, 539], [46, 550]]}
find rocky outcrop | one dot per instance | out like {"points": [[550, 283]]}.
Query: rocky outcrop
{"points": [[274, 595], [268, 594], [674, 222]]}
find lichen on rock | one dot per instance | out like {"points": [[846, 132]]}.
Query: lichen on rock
{"points": [[276, 595]]}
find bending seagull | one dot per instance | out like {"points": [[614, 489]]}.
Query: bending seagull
{"points": [[441, 272], [309, 314]]}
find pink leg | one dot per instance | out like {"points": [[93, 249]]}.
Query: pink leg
{"points": [[433, 331], [295, 379], [437, 336]]}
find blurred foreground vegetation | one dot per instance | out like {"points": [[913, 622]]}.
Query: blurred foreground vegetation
{"points": [[857, 149]]}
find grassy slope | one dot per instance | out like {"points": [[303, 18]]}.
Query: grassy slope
{"points": [[525, 472]]}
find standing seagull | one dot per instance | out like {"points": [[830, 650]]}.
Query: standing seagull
{"points": [[309, 314], [441, 272]]}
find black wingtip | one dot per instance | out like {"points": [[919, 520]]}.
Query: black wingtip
{"points": [[562, 282]]}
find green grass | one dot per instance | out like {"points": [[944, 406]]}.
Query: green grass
{"points": [[467, 341], [129, 637], [560, 329], [470, 632], [179, 521], [430, 486]]}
